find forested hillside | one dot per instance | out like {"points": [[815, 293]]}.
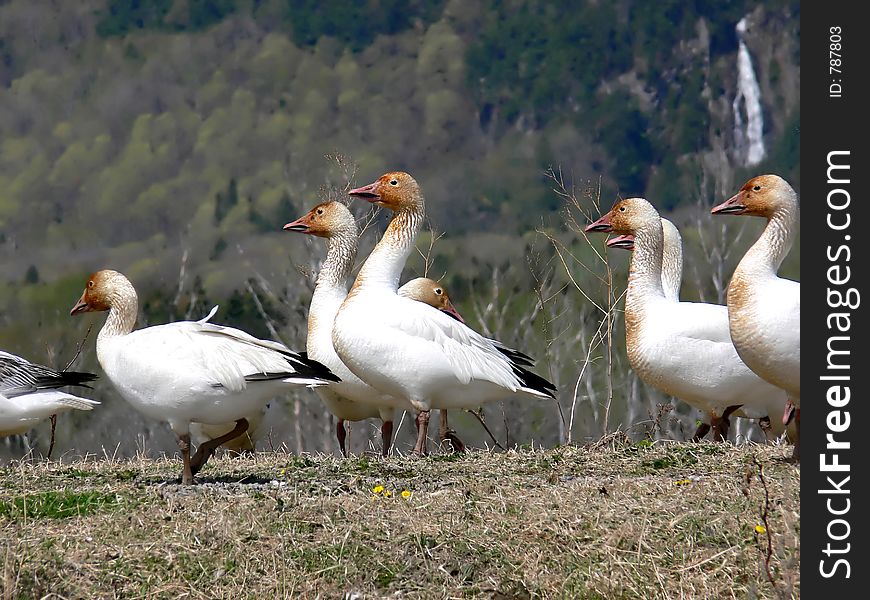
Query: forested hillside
{"points": [[172, 139]]}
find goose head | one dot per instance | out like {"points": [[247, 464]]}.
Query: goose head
{"points": [[327, 219], [759, 197], [627, 217], [396, 191], [428, 291], [104, 290]]}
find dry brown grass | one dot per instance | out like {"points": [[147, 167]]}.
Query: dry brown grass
{"points": [[616, 520]]}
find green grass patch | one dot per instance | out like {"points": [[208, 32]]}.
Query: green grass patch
{"points": [[58, 505]]}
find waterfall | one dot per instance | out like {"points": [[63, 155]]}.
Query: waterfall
{"points": [[748, 140]]}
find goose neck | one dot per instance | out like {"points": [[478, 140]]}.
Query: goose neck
{"points": [[340, 255], [383, 268], [767, 253], [122, 315], [645, 270]]}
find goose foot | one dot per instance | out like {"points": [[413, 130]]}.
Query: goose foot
{"points": [[445, 434], [702, 430]]}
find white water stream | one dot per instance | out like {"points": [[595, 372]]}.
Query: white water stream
{"points": [[748, 117]]}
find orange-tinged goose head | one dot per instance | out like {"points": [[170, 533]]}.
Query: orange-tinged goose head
{"points": [[429, 291], [101, 292], [760, 197], [625, 218], [396, 190], [326, 220]]}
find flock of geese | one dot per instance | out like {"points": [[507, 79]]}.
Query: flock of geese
{"points": [[374, 347]]}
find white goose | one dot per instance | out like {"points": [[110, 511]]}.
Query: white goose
{"points": [[29, 394], [189, 370], [351, 399], [404, 348], [681, 348], [672, 277], [764, 309]]}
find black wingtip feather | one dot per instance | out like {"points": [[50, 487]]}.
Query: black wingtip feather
{"points": [[64, 378], [534, 381], [516, 357], [308, 367]]}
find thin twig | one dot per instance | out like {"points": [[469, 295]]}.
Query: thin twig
{"points": [[486, 428], [79, 348]]}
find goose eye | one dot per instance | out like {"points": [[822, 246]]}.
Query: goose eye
{"points": [[621, 209], [91, 283], [394, 182], [319, 211], [756, 188], [438, 291]]}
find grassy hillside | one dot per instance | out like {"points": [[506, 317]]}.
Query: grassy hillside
{"points": [[611, 520]]}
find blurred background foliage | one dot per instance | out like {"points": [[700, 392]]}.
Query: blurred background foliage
{"points": [[171, 140]]}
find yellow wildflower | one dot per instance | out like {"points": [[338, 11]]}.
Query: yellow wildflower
{"points": [[760, 529], [377, 489], [406, 494], [682, 482], [388, 494]]}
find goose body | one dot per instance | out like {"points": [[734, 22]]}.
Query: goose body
{"points": [[189, 370], [764, 308], [422, 357], [684, 349], [351, 399], [29, 394]]}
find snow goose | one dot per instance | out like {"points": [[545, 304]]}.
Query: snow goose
{"points": [[351, 399], [681, 348], [672, 276], [189, 370], [433, 293], [764, 309], [29, 393], [404, 348]]}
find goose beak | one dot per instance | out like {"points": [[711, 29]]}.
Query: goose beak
{"points": [[732, 206], [298, 225], [368, 192], [601, 225], [81, 306], [626, 242], [451, 310]]}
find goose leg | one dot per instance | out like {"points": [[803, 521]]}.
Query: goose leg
{"points": [[341, 435], [422, 421], [793, 412], [386, 437], [722, 424], [702, 430], [207, 449], [764, 423], [445, 434], [184, 446], [795, 455], [53, 419]]}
